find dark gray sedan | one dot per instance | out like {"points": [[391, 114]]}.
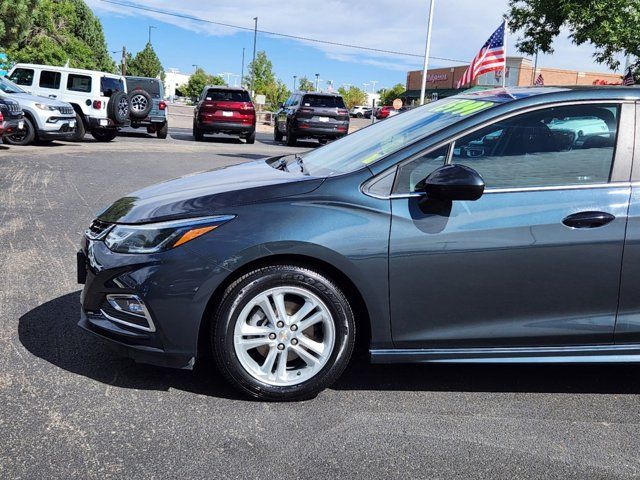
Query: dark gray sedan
{"points": [[498, 226]]}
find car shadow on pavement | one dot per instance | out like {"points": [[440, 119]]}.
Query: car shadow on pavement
{"points": [[188, 137], [50, 332]]}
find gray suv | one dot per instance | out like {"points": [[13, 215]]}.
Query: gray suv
{"points": [[311, 115], [148, 108]]}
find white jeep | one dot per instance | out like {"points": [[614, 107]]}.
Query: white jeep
{"points": [[99, 99]]}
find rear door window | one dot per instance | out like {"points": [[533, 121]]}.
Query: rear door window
{"points": [[22, 76], [322, 101], [108, 86], [49, 79], [149, 85], [79, 83], [219, 95]]}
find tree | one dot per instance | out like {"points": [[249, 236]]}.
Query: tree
{"points": [[59, 31], [145, 64], [611, 26], [353, 96], [389, 95], [276, 94], [306, 85], [260, 73], [15, 20], [198, 81]]}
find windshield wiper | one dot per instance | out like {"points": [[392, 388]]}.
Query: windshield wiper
{"points": [[300, 163], [281, 165]]}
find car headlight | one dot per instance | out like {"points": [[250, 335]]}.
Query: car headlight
{"points": [[43, 106], [158, 237]]}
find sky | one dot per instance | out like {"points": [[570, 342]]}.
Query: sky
{"points": [[460, 27]]}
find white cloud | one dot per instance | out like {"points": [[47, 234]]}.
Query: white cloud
{"points": [[459, 28]]}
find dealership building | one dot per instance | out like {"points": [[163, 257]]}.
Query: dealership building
{"points": [[441, 82]]}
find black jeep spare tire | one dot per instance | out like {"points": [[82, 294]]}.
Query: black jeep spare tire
{"points": [[118, 107], [141, 104]]}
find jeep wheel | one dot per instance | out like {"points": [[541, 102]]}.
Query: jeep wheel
{"points": [[277, 136], [141, 104], [104, 135], [292, 140], [251, 137], [163, 130], [118, 107], [23, 137], [80, 131]]}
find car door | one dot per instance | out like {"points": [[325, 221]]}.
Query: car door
{"points": [[536, 260]]}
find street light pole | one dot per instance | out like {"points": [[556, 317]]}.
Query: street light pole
{"points": [[373, 85], [242, 69], [425, 69], [317, 81], [150, 27], [255, 38], [294, 82]]}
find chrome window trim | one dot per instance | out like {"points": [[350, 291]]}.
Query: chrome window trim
{"points": [[451, 141], [146, 316]]}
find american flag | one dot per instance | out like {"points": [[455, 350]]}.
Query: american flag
{"points": [[629, 79], [539, 80], [492, 56]]}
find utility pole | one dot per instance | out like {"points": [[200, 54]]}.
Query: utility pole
{"points": [[150, 27], [242, 70], [294, 82], [317, 81], [255, 38], [123, 62], [427, 47], [535, 67]]}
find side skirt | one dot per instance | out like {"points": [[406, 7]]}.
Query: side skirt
{"points": [[572, 354]]}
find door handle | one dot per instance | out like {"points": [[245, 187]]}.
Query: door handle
{"points": [[53, 96], [588, 219]]}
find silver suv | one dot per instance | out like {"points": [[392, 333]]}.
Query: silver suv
{"points": [[44, 118]]}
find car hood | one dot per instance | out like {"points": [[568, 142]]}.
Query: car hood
{"points": [[208, 193], [28, 97]]}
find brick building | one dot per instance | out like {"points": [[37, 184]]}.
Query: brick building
{"points": [[441, 82]]}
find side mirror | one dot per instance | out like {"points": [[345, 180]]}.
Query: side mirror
{"points": [[454, 182]]}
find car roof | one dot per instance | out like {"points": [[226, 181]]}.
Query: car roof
{"points": [[65, 69], [560, 93], [134, 77], [225, 87], [324, 94]]}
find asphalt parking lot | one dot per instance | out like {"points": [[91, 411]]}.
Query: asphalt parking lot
{"points": [[71, 408]]}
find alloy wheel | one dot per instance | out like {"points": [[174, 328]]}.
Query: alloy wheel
{"points": [[138, 103], [284, 336]]}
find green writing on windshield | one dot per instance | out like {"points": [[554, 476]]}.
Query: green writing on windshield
{"points": [[462, 108]]}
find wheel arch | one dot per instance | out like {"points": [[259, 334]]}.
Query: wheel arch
{"points": [[360, 310], [79, 111]]}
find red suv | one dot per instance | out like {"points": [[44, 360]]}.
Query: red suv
{"points": [[225, 110], [384, 112]]}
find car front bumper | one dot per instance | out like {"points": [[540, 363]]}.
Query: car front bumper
{"points": [[175, 305], [57, 127]]}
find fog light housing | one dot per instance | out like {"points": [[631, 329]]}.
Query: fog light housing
{"points": [[130, 305]]}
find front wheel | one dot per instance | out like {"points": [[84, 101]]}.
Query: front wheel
{"points": [[283, 333], [277, 136], [23, 137]]}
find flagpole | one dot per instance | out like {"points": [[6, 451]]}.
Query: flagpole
{"points": [[504, 67], [425, 69]]}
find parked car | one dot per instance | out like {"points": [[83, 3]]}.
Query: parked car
{"points": [[360, 111], [459, 231], [148, 109], [323, 116], [11, 116], [225, 110], [44, 118], [98, 98], [386, 112]]}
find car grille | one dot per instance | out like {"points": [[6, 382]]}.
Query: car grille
{"points": [[66, 110], [12, 108], [97, 229]]}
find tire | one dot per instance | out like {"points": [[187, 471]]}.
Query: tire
{"points": [[251, 137], [163, 130], [140, 104], [304, 375], [104, 135], [81, 130], [359, 115], [323, 141], [118, 108], [25, 137], [277, 136], [292, 140], [197, 133]]}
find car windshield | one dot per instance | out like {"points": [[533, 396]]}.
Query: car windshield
{"points": [[150, 85], [323, 101], [379, 140], [7, 86]]}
